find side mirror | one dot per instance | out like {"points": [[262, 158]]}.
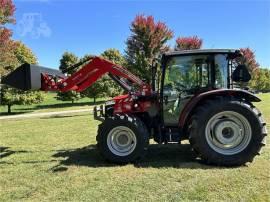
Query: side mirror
{"points": [[241, 74]]}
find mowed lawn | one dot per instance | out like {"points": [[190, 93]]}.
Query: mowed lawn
{"points": [[55, 159]]}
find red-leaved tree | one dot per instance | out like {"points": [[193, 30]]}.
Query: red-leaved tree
{"points": [[12, 54], [7, 10], [249, 59], [188, 43], [147, 40]]}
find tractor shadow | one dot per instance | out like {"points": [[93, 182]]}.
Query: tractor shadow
{"points": [[158, 156], [6, 151], [66, 116]]}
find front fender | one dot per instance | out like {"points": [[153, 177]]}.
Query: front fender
{"points": [[194, 101]]}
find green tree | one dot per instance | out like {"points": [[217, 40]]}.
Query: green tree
{"points": [[261, 80], [23, 54], [267, 83], [11, 96], [147, 41], [66, 61], [68, 96], [98, 88], [115, 56], [105, 86]]}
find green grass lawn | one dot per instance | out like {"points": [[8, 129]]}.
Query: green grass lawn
{"points": [[55, 159], [49, 104]]}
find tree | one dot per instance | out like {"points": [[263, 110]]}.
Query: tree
{"points": [[10, 96], [7, 10], [147, 41], [6, 47], [188, 43], [98, 88], [261, 80], [267, 83], [13, 54], [66, 61], [115, 56], [23, 54], [105, 86], [249, 60], [68, 96]]}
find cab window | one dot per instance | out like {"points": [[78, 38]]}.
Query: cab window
{"points": [[188, 72]]}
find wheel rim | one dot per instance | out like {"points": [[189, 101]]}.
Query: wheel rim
{"points": [[121, 141], [228, 132]]}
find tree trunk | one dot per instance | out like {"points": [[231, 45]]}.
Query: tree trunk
{"points": [[72, 101], [94, 100], [9, 109]]}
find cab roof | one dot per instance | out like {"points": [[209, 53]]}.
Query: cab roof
{"points": [[202, 51]]}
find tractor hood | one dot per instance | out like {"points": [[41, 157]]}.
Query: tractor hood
{"points": [[120, 97]]}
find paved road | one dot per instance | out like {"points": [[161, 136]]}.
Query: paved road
{"points": [[44, 114]]}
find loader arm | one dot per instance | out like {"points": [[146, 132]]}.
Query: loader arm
{"points": [[92, 71], [30, 77]]}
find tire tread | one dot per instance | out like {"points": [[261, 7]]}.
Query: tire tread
{"points": [[209, 157]]}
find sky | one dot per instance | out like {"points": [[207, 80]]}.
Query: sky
{"points": [[51, 27]]}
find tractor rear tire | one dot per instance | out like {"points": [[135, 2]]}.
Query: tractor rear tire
{"points": [[122, 139], [227, 132]]}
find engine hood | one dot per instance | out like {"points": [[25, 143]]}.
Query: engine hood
{"points": [[120, 97]]}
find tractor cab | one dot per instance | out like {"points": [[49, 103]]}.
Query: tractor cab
{"points": [[191, 72]]}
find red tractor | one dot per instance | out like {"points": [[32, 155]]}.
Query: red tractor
{"points": [[196, 98]]}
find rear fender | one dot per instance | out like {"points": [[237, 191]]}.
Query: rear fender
{"points": [[197, 99]]}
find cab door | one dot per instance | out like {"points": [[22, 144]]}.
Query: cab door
{"points": [[183, 76]]}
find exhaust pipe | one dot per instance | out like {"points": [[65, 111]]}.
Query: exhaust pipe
{"points": [[29, 77]]}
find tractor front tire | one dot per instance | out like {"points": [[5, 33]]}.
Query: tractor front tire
{"points": [[227, 132], [122, 138]]}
